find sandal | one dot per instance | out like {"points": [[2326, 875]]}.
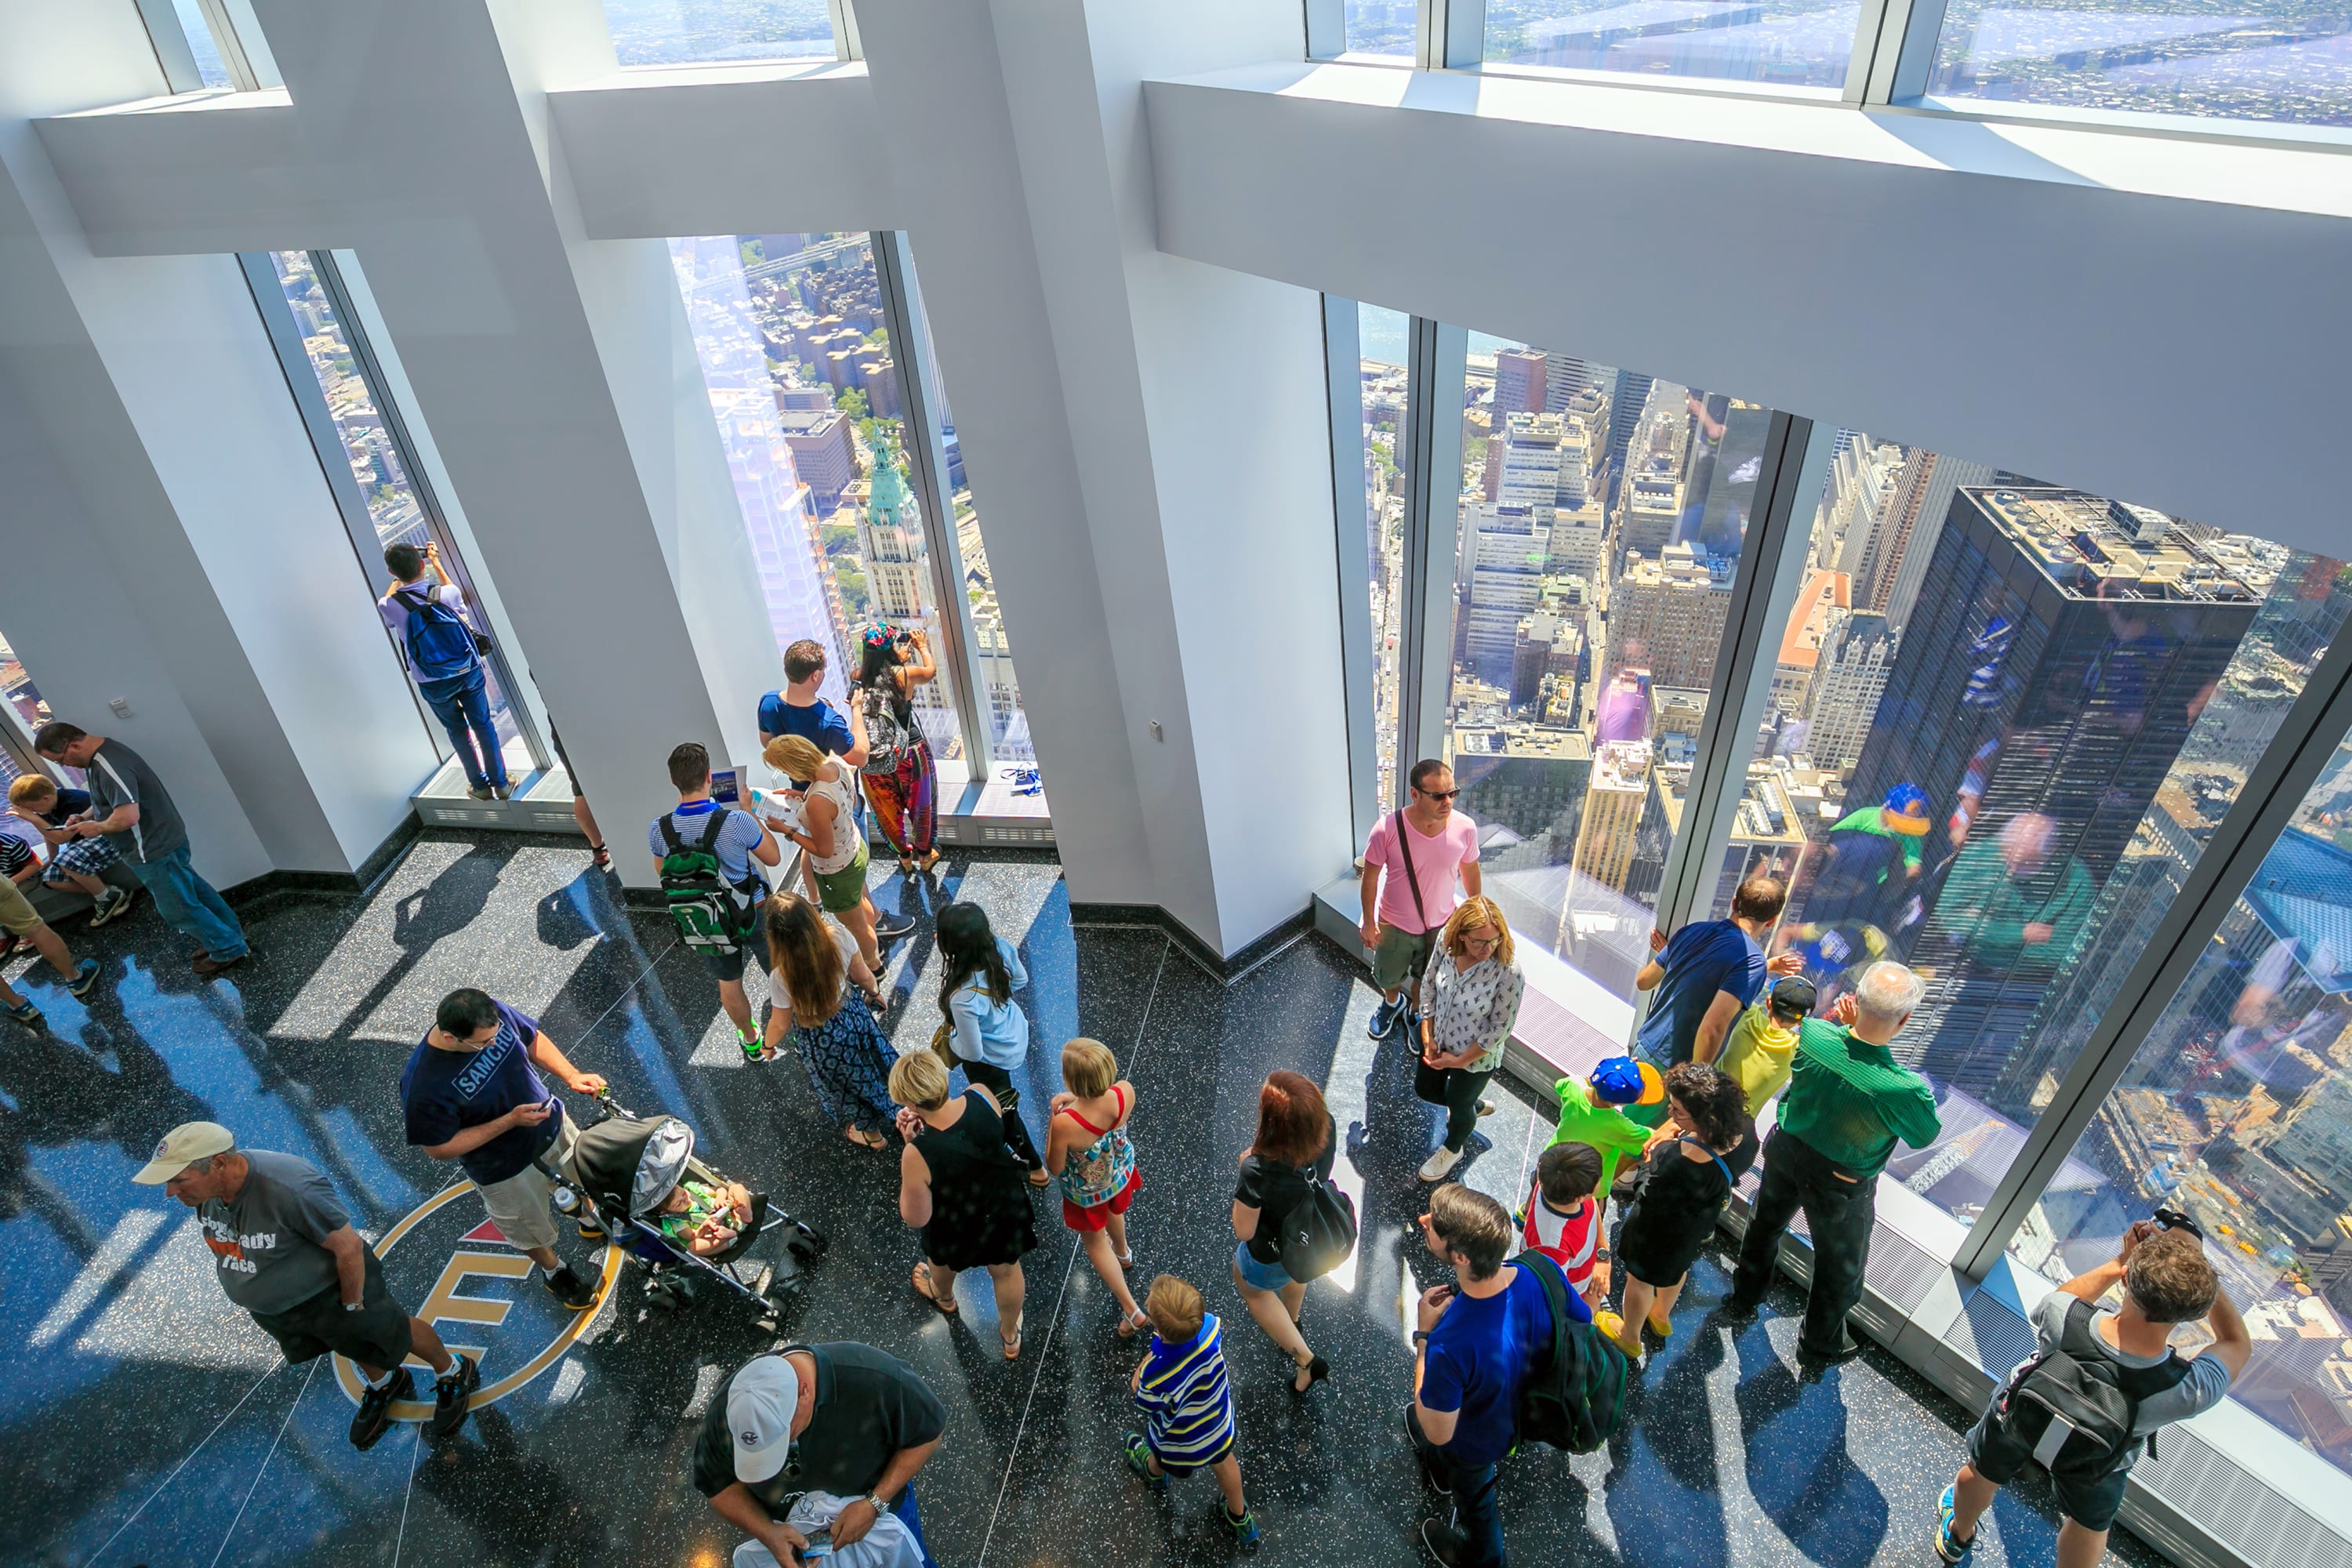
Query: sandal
{"points": [[1040, 1178], [866, 1140], [1124, 1262], [601, 855], [946, 1309], [906, 867], [1133, 1324], [930, 862], [1012, 1345]]}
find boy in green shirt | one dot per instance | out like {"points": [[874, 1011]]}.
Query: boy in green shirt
{"points": [[1592, 1112]]}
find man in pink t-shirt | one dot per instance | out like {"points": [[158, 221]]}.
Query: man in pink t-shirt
{"points": [[1398, 925]]}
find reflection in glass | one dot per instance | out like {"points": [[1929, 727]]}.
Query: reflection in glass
{"points": [[2237, 1110], [2289, 61], [1601, 523], [1788, 42], [377, 466], [2004, 718], [685, 32]]}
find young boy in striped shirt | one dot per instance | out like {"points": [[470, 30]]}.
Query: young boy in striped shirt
{"points": [[1187, 1405]]}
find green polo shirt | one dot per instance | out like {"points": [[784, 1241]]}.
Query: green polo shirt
{"points": [[1583, 1119], [1849, 1100]]}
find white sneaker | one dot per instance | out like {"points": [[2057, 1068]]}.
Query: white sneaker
{"points": [[1434, 1169]]}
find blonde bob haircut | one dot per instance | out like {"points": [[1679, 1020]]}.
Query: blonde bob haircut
{"points": [[794, 757], [920, 1080], [1473, 913], [1088, 1069]]}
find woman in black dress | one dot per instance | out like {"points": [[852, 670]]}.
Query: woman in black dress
{"points": [[963, 1189], [1296, 1142], [1693, 1161]]}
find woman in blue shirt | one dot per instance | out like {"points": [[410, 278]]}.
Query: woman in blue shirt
{"points": [[986, 1028]]}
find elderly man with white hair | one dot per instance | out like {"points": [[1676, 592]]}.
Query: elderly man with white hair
{"points": [[1847, 1103]]}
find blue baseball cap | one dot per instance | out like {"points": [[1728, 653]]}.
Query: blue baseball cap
{"points": [[1621, 1081]]}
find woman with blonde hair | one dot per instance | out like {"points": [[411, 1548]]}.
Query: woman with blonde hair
{"points": [[963, 1189], [809, 967], [1470, 998], [833, 849]]}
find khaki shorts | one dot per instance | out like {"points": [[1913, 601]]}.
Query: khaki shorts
{"points": [[18, 917], [519, 1206], [1398, 957]]}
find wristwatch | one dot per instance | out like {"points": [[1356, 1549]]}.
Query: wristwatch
{"points": [[1420, 1337], [880, 1508], [353, 1306]]}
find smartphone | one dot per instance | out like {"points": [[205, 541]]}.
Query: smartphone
{"points": [[819, 1547]]}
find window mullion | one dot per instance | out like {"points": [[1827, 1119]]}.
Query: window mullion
{"points": [[847, 43], [1434, 363], [1326, 29], [234, 59], [171, 43], [1451, 34], [2276, 787], [1902, 51], [926, 452], [1793, 473], [1353, 520]]}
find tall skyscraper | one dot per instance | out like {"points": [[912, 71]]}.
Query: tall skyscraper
{"points": [[1609, 833], [1905, 541], [1521, 383], [2060, 652], [1529, 475], [1667, 615], [1564, 379], [1848, 680], [890, 539], [1626, 402], [1506, 582]]}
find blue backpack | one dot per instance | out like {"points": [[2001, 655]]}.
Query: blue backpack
{"points": [[440, 644]]}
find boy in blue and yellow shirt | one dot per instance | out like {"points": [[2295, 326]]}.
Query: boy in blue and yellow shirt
{"points": [[1187, 1404]]}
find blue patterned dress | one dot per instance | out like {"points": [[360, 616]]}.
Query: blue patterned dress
{"points": [[849, 1062]]}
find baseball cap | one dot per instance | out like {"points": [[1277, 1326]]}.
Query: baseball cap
{"points": [[182, 1147], [1792, 994], [760, 1406], [1621, 1081]]}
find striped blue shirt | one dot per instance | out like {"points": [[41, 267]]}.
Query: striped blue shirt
{"points": [[1188, 1407]]}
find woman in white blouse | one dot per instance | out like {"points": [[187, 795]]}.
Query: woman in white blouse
{"points": [[1470, 999]]}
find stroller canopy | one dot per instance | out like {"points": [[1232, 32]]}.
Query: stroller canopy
{"points": [[629, 1163]]}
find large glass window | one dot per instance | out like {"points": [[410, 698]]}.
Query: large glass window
{"points": [[27, 714], [2291, 59], [367, 441], [688, 32], [1602, 520], [210, 70], [2004, 720], [1382, 26], [813, 401], [2237, 1110], [1381, 337], [1788, 42]]}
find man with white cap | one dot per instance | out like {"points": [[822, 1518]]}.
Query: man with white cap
{"points": [[284, 1249], [839, 1417]]}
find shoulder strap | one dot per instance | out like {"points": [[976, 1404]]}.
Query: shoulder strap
{"points": [[712, 829], [1413, 878], [669, 824], [1727, 1182]]}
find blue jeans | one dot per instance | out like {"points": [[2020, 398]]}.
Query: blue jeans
{"points": [[189, 904], [1477, 1513], [462, 703]]}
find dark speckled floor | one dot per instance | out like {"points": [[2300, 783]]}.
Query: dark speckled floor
{"points": [[145, 1422]]}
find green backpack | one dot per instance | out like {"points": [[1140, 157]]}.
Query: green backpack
{"points": [[713, 915]]}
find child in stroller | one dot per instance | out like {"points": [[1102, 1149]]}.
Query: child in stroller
{"points": [[637, 1179]]}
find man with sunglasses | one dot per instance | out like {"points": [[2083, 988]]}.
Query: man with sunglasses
{"points": [[1429, 852]]}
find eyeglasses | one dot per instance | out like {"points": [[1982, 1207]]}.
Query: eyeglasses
{"points": [[1481, 943], [1438, 794]]}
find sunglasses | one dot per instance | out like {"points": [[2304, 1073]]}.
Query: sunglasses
{"points": [[1440, 794]]}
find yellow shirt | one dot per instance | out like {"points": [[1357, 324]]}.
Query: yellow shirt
{"points": [[1759, 1053]]}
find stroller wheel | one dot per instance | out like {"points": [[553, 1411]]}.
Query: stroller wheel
{"points": [[666, 1294], [806, 1251], [804, 1236]]}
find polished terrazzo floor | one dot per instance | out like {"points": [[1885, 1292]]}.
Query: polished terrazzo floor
{"points": [[145, 1422]]}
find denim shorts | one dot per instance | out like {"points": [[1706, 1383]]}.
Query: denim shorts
{"points": [[1260, 1276]]}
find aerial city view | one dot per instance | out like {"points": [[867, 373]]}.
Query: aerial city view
{"points": [[2004, 718], [810, 396], [2282, 60]]}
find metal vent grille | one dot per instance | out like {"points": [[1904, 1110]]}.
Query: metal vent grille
{"points": [[2237, 1509], [1990, 1333], [1017, 836], [1900, 1271]]}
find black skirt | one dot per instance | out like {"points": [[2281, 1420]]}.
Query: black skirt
{"points": [[981, 1210], [1674, 1210]]}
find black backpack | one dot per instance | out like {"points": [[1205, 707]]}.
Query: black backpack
{"points": [[1317, 1232], [713, 915], [2074, 1406], [1575, 1392]]}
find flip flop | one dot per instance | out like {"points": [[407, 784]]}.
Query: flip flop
{"points": [[865, 1140], [1012, 1345], [1040, 1178], [946, 1309], [1132, 1325]]}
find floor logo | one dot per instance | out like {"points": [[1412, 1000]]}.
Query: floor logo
{"points": [[477, 1291]]}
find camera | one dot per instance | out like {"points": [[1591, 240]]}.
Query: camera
{"points": [[2175, 1219]]}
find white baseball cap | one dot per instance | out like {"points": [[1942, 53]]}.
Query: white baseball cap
{"points": [[760, 1406], [182, 1147]]}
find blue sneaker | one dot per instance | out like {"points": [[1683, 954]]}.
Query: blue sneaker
{"points": [[27, 1014], [1246, 1534], [1951, 1551], [84, 976], [1384, 1018], [1139, 1459]]}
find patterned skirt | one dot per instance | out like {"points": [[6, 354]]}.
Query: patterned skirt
{"points": [[849, 1062]]}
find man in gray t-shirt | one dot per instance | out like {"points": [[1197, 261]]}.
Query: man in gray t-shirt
{"points": [[284, 1249], [129, 805], [2166, 1280]]}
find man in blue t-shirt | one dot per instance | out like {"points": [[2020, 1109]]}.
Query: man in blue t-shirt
{"points": [[1479, 1339], [472, 1093], [1705, 977], [742, 839], [798, 710]]}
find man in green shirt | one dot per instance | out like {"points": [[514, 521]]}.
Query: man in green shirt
{"points": [[2011, 906], [1847, 1103]]}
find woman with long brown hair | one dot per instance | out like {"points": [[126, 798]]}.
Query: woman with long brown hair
{"points": [[1296, 1142], [840, 1045]]}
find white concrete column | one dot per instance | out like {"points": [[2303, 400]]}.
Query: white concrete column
{"points": [[555, 374]]}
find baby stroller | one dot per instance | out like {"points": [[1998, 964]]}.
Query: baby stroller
{"points": [[622, 1169]]}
